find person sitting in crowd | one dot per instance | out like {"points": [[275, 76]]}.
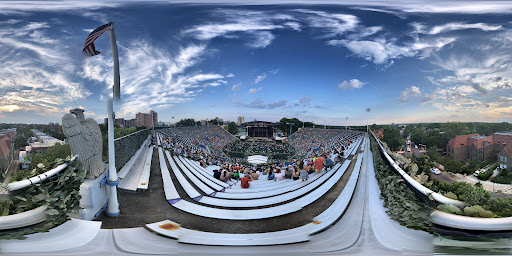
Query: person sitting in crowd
{"points": [[244, 182], [216, 174], [289, 172], [279, 176], [271, 175], [224, 176], [295, 174], [328, 163], [255, 175], [303, 173], [236, 175]]}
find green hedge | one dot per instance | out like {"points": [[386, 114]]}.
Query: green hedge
{"points": [[126, 147], [60, 193]]}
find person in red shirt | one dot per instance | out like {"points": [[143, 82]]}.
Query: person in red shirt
{"points": [[245, 181], [319, 164]]}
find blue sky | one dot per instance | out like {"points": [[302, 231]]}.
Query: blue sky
{"points": [[407, 61]]}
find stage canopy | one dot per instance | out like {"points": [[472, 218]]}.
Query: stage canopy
{"points": [[257, 159]]}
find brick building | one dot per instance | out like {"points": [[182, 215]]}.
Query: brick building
{"points": [[143, 119], [478, 148], [6, 148]]}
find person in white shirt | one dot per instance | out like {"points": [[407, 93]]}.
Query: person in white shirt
{"points": [[279, 175]]}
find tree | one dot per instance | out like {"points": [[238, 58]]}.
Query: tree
{"points": [[392, 137], [433, 154], [453, 165], [186, 122], [284, 125], [232, 128], [453, 129], [20, 141], [46, 157]]}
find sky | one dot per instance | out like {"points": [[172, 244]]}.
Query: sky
{"points": [[407, 61]]}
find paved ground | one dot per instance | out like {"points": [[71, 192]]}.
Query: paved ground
{"points": [[150, 206]]}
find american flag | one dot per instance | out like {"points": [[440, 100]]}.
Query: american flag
{"points": [[368, 109], [89, 49]]}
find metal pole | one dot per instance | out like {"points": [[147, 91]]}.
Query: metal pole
{"points": [[113, 204], [115, 58]]}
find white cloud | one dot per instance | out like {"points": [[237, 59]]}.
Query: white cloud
{"points": [[382, 51], [160, 80], [332, 24], [256, 25], [253, 91], [260, 78], [414, 92], [264, 75], [352, 84], [452, 26], [35, 75], [262, 39]]}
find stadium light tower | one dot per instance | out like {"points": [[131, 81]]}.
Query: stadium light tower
{"points": [[290, 124]]}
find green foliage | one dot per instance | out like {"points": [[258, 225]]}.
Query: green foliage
{"points": [[232, 128], [60, 193], [483, 164], [500, 206], [127, 146], [402, 204], [424, 164], [51, 154], [477, 196], [186, 122], [392, 137], [485, 175], [285, 123], [504, 177], [453, 165], [433, 154], [49, 159]]}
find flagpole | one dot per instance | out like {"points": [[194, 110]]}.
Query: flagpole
{"points": [[115, 58], [113, 180]]}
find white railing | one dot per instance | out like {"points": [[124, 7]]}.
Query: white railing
{"points": [[416, 185]]}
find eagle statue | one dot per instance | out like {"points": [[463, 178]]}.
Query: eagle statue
{"points": [[85, 139]]}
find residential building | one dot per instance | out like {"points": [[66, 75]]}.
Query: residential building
{"points": [[457, 147], [478, 148], [6, 148], [147, 120], [41, 142], [240, 120], [505, 157]]}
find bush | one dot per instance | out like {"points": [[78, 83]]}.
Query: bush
{"points": [[477, 196], [485, 175], [483, 164], [500, 206], [504, 177]]}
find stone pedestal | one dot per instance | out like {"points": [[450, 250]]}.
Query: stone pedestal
{"points": [[93, 199]]}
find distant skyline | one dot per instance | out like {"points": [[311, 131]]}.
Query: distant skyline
{"points": [[408, 61]]}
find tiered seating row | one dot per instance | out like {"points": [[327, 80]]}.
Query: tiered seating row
{"points": [[299, 234]]}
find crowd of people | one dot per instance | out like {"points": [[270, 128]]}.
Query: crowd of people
{"points": [[316, 150], [309, 141], [270, 149]]}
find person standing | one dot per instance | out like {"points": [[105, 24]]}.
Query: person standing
{"points": [[319, 164]]}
